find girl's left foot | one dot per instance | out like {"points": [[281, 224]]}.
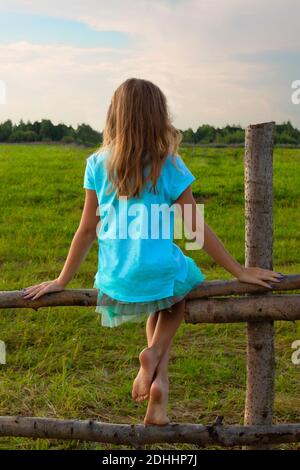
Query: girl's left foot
{"points": [[157, 406], [149, 360]]}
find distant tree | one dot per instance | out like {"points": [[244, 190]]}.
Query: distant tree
{"points": [[286, 134], [21, 126], [205, 134], [188, 136], [23, 136], [35, 127], [5, 130], [69, 133], [59, 131], [46, 130], [86, 135], [67, 139]]}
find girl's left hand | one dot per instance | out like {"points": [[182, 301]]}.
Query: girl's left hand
{"points": [[254, 275], [36, 291]]}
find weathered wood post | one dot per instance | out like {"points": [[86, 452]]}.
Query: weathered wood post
{"points": [[259, 252]]}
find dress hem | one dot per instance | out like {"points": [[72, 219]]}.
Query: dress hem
{"points": [[115, 312], [149, 298]]}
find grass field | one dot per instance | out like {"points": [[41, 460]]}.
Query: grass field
{"points": [[62, 363]]}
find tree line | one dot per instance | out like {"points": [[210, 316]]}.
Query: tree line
{"points": [[285, 134], [46, 131]]}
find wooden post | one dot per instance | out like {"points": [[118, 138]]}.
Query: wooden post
{"points": [[259, 252]]}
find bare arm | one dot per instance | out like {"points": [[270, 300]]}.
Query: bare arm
{"points": [[215, 248], [80, 245]]}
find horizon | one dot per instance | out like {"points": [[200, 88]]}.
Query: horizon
{"points": [[15, 123]]}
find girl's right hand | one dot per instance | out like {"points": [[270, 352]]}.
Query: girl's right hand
{"points": [[36, 291]]}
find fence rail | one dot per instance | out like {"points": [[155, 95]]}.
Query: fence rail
{"points": [[212, 302], [138, 434], [88, 297]]}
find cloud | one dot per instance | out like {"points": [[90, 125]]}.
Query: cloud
{"points": [[213, 59], [44, 29]]}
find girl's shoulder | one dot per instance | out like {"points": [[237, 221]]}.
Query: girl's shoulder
{"points": [[176, 175], [174, 165], [96, 159]]}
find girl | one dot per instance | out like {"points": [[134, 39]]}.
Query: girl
{"points": [[141, 272]]}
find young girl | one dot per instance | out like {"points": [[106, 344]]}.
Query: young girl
{"points": [[141, 272]]}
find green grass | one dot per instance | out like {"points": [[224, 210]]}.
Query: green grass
{"points": [[62, 363]]}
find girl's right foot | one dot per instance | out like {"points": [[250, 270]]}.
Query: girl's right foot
{"points": [[157, 406]]}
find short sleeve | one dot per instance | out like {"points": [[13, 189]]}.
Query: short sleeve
{"points": [[89, 178], [181, 178]]}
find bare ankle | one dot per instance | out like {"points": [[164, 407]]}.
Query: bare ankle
{"points": [[163, 375], [158, 350]]}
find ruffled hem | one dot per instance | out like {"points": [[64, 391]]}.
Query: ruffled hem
{"points": [[115, 312]]}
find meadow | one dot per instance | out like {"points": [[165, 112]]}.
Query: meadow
{"points": [[62, 363]]}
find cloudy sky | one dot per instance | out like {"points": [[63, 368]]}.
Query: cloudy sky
{"points": [[217, 61]]}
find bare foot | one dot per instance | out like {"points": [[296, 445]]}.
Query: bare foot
{"points": [[157, 406], [149, 360]]}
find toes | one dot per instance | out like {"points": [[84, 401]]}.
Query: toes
{"points": [[142, 397]]}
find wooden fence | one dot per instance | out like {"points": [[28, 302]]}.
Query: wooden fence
{"points": [[211, 302]]}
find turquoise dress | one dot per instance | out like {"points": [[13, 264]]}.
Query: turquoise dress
{"points": [[140, 269]]}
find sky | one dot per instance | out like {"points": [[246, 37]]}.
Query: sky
{"points": [[217, 61]]}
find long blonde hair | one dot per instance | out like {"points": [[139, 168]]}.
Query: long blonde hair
{"points": [[138, 132]]}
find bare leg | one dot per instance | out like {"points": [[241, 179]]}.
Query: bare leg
{"points": [[159, 390], [150, 329], [150, 326], [159, 393], [166, 326]]}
